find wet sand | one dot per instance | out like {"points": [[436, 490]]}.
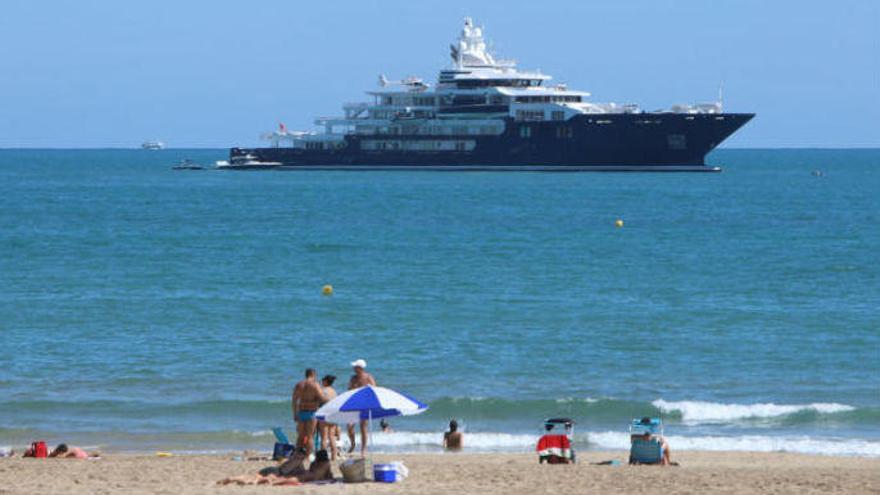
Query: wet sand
{"points": [[494, 474]]}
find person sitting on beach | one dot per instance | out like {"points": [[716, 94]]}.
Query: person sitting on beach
{"points": [[320, 470], [647, 436], [329, 431], [307, 398], [63, 451], [453, 439], [360, 379]]}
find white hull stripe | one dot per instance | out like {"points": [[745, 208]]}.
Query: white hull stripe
{"points": [[511, 168]]}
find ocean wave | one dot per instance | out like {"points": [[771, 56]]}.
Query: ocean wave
{"points": [[619, 440], [615, 440], [487, 441], [515, 415], [606, 410], [403, 441], [226, 407], [692, 412], [588, 408]]}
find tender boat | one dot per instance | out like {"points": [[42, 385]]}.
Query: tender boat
{"points": [[187, 164], [246, 162]]}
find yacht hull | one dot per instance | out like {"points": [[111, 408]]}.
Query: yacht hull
{"points": [[673, 142]]}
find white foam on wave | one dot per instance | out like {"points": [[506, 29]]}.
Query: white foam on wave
{"points": [[478, 441], [616, 440], [706, 412], [749, 443]]}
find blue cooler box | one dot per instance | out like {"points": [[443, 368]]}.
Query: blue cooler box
{"points": [[384, 473]]}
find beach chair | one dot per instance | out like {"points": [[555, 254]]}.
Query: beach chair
{"points": [[282, 448], [645, 451], [555, 446]]}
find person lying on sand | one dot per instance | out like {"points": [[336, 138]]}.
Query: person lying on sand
{"points": [[63, 451], [453, 439], [294, 466], [320, 470]]}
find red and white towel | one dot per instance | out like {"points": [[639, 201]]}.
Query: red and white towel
{"points": [[557, 445]]}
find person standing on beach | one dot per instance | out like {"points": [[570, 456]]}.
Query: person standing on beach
{"points": [[307, 398], [360, 379], [328, 431]]}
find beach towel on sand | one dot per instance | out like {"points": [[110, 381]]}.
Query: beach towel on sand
{"points": [[554, 445]]}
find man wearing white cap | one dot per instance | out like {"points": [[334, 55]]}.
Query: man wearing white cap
{"points": [[360, 379]]}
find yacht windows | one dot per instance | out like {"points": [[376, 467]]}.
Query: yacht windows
{"points": [[423, 101], [557, 115], [676, 141], [488, 83], [564, 132], [529, 115], [414, 129], [525, 131], [382, 114], [312, 145], [548, 99], [468, 100], [418, 145]]}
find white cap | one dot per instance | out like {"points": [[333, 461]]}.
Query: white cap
{"points": [[360, 363]]}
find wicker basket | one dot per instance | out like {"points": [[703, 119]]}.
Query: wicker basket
{"points": [[354, 470]]}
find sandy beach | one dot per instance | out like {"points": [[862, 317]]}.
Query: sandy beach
{"points": [[700, 472]]}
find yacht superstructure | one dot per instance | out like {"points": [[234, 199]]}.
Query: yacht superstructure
{"points": [[486, 114]]}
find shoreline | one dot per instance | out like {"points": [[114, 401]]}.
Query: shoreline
{"points": [[494, 474]]}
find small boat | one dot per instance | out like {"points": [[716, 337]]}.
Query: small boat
{"points": [[246, 162], [153, 145], [187, 164]]}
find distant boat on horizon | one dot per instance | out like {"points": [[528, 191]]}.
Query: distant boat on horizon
{"points": [[153, 145]]}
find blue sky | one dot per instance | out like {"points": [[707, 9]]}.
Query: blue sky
{"points": [[218, 73]]}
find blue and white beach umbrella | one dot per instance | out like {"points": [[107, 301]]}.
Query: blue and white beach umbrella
{"points": [[369, 403]]}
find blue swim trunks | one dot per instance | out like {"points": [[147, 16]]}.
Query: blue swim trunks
{"points": [[306, 416]]}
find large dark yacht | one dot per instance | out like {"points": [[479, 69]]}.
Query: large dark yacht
{"points": [[485, 114]]}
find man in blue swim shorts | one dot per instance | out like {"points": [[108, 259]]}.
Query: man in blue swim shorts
{"points": [[307, 398]]}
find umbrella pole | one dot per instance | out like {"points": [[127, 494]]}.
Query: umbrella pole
{"points": [[370, 446]]}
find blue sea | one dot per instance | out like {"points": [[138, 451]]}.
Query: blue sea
{"points": [[143, 308]]}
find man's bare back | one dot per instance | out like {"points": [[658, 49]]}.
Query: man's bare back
{"points": [[453, 440], [307, 395]]}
